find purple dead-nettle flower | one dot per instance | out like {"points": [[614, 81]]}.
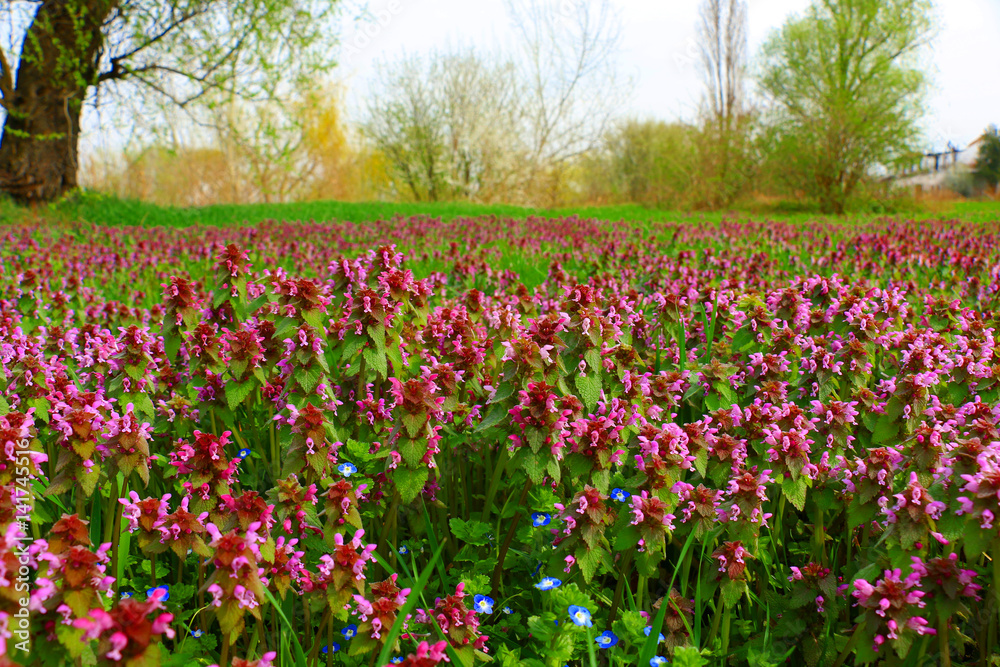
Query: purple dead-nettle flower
{"points": [[892, 604]]}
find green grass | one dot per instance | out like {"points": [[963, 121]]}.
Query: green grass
{"points": [[107, 210], [100, 209]]}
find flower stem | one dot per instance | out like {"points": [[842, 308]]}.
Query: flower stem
{"points": [[726, 618], [109, 516], [849, 647], [590, 647], [498, 570], [115, 537], [995, 557], [314, 653], [626, 565], [275, 464], [819, 539], [498, 469], [224, 660]]}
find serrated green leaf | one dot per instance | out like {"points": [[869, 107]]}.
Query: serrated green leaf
{"points": [[589, 387], [237, 392]]}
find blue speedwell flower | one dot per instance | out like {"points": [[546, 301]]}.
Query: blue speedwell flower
{"points": [[548, 583], [483, 604], [350, 631], [507, 610], [619, 495], [347, 469], [197, 633], [580, 615], [648, 629], [403, 550], [244, 453], [606, 639], [657, 660], [397, 660], [539, 519], [126, 595], [164, 596], [331, 649]]}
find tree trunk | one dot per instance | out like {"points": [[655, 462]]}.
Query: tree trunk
{"points": [[59, 62]]}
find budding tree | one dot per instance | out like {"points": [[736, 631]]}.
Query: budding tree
{"points": [[725, 161], [567, 63]]}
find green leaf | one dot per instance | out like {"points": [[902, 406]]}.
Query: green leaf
{"points": [[732, 591], [589, 561], [394, 354], [589, 386], [496, 414], [375, 359], [503, 392], [471, 532], [886, 429], [410, 482], [977, 541], [795, 491], [689, 656], [71, 638], [308, 377], [236, 393]]}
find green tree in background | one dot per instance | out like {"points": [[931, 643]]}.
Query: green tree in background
{"points": [[988, 162], [61, 52], [846, 92]]}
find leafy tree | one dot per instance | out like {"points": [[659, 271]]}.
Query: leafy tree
{"points": [[62, 52], [846, 90], [988, 162]]}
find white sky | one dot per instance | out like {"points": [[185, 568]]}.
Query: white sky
{"points": [[660, 54]]}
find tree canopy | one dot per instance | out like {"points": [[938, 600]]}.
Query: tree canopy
{"points": [[846, 90], [60, 52]]}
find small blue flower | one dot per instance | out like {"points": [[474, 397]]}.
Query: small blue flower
{"points": [[539, 519], [483, 604], [403, 550], [606, 639], [164, 597], [658, 660], [548, 583], [126, 595], [648, 629], [331, 649], [507, 610], [397, 660], [580, 616], [347, 469], [619, 495], [196, 633], [350, 631], [244, 453]]}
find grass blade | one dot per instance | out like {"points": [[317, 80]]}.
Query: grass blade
{"points": [[649, 648], [290, 631], [411, 602]]}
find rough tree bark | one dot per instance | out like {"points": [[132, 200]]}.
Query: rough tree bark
{"points": [[59, 61]]}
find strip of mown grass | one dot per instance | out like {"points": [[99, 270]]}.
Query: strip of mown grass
{"points": [[107, 210]]}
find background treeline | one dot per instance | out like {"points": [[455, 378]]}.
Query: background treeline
{"points": [[830, 111]]}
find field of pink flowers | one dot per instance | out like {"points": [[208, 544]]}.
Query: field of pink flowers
{"points": [[527, 442]]}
